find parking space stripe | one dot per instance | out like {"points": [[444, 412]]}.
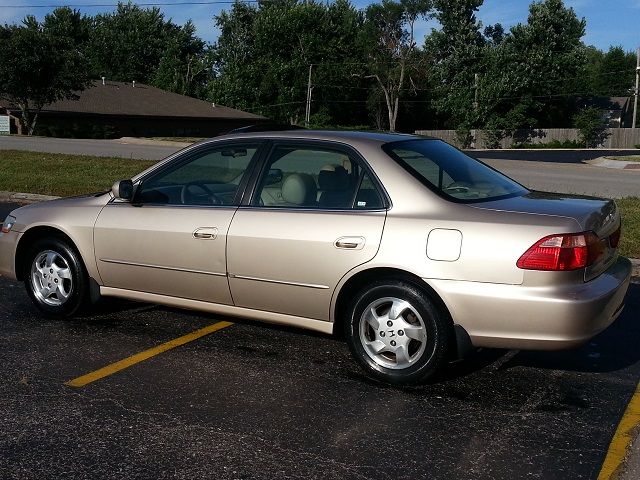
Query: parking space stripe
{"points": [[140, 357], [622, 439]]}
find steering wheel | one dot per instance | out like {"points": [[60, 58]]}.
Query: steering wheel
{"points": [[458, 187], [189, 197]]}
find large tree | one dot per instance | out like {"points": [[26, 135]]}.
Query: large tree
{"points": [[264, 52], [457, 50], [530, 76], [393, 58], [42, 62], [134, 43]]}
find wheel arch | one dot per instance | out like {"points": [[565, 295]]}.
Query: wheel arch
{"points": [[358, 281], [461, 344], [36, 233]]}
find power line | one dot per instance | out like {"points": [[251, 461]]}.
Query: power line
{"points": [[144, 4]]}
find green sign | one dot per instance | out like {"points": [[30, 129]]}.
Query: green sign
{"points": [[5, 125]]}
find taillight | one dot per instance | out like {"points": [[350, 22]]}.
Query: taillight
{"points": [[563, 252]]}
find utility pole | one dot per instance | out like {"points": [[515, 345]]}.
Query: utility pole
{"points": [[307, 114], [475, 86], [635, 102]]}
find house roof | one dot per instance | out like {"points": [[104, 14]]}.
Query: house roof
{"points": [[123, 98]]}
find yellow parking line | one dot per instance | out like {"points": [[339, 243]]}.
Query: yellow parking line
{"points": [[140, 357], [622, 439]]}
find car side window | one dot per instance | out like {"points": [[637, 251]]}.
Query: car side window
{"points": [[210, 178], [312, 177]]}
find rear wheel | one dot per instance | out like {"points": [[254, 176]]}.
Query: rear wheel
{"points": [[396, 333], [55, 278]]}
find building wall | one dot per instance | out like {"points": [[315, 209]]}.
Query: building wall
{"points": [[103, 126]]}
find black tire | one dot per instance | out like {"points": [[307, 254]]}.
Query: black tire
{"points": [[74, 293], [423, 356]]}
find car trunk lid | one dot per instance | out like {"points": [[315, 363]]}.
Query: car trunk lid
{"points": [[597, 215]]}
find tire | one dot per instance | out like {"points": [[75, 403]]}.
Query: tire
{"points": [[55, 278], [389, 353]]}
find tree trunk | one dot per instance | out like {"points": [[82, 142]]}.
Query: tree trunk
{"points": [[32, 126]]}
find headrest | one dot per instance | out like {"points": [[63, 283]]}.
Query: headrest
{"points": [[333, 180], [299, 189]]}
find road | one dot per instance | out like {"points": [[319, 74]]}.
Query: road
{"points": [[571, 178], [100, 148]]}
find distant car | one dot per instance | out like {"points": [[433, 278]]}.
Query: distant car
{"points": [[408, 246]]}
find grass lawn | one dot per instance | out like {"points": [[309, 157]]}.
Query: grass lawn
{"points": [[630, 242], [65, 175], [630, 158], [61, 174]]}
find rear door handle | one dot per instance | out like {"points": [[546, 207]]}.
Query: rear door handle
{"points": [[205, 233], [350, 243]]}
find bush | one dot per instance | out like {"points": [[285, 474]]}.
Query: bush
{"points": [[552, 144], [592, 126]]}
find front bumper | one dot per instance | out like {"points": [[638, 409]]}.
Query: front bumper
{"points": [[8, 246], [537, 318]]}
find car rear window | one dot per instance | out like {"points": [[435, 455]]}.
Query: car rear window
{"points": [[451, 173]]}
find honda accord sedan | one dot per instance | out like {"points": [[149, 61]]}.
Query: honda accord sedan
{"points": [[408, 247]]}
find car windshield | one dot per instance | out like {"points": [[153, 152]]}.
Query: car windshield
{"points": [[450, 173]]}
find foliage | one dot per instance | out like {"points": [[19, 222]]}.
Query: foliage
{"points": [[390, 48], [608, 74], [41, 62], [135, 43], [592, 127], [533, 66], [254, 72], [457, 51], [366, 65]]}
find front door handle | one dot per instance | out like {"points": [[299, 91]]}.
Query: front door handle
{"points": [[205, 233], [350, 243]]}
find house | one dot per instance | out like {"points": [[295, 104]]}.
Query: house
{"points": [[108, 109], [617, 111]]}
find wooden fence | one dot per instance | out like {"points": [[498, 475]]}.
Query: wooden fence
{"points": [[614, 138]]}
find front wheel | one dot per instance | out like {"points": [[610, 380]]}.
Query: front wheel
{"points": [[396, 333], [55, 278]]}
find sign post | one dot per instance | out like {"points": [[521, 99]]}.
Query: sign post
{"points": [[5, 125]]}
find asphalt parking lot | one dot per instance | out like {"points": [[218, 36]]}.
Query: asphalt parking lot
{"points": [[254, 401]]}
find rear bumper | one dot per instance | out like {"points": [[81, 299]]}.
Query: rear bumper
{"points": [[538, 318], [8, 246]]}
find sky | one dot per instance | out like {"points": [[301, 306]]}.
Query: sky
{"points": [[609, 22]]}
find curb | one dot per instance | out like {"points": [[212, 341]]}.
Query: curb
{"points": [[605, 162], [25, 197], [147, 141]]}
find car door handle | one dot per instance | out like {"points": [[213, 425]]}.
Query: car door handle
{"points": [[205, 233], [350, 243]]}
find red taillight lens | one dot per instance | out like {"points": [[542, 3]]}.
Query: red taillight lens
{"points": [[563, 252]]}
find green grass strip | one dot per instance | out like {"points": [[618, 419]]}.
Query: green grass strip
{"points": [[62, 174]]}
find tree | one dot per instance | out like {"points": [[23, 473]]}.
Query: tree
{"points": [[41, 63], [531, 73], [389, 39], [135, 43], [264, 51], [457, 51], [592, 127], [615, 75], [186, 64]]}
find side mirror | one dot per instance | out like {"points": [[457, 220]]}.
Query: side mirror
{"points": [[123, 189], [274, 176]]}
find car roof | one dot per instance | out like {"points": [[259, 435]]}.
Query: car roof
{"points": [[330, 135]]}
